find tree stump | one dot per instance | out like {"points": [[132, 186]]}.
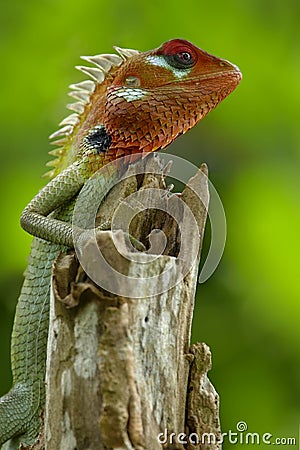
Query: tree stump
{"points": [[121, 373]]}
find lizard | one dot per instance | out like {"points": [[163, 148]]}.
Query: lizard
{"points": [[133, 103]]}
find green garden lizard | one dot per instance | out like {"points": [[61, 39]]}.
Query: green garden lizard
{"points": [[134, 102]]}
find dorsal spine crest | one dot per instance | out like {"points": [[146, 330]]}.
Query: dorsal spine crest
{"points": [[83, 92]]}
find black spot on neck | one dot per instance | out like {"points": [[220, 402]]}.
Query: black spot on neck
{"points": [[98, 139]]}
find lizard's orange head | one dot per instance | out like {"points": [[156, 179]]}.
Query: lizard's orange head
{"points": [[140, 102], [157, 95]]}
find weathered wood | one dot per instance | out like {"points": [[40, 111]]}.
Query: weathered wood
{"points": [[120, 371]]}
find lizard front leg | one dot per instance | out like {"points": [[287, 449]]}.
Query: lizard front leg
{"points": [[56, 194]]}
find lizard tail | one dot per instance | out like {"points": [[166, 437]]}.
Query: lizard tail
{"points": [[17, 417]]}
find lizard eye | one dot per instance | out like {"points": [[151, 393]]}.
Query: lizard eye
{"points": [[179, 54], [181, 60]]}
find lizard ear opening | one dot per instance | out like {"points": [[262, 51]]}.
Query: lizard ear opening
{"points": [[132, 81]]}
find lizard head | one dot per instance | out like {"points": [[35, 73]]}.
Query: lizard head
{"points": [[139, 102], [160, 94]]}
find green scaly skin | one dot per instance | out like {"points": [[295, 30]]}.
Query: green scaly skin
{"points": [[21, 408], [138, 102]]}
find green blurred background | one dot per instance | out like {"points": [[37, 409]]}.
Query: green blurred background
{"points": [[248, 312]]}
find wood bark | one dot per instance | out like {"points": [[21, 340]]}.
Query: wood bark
{"points": [[121, 372]]}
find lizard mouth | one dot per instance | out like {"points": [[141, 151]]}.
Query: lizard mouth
{"points": [[233, 73], [236, 73]]}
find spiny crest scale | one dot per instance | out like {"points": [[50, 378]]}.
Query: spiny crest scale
{"points": [[82, 96], [72, 119], [94, 72], [62, 132], [100, 62], [86, 85], [126, 53]]}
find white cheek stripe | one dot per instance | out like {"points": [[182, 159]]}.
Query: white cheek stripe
{"points": [[161, 62], [130, 94]]}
